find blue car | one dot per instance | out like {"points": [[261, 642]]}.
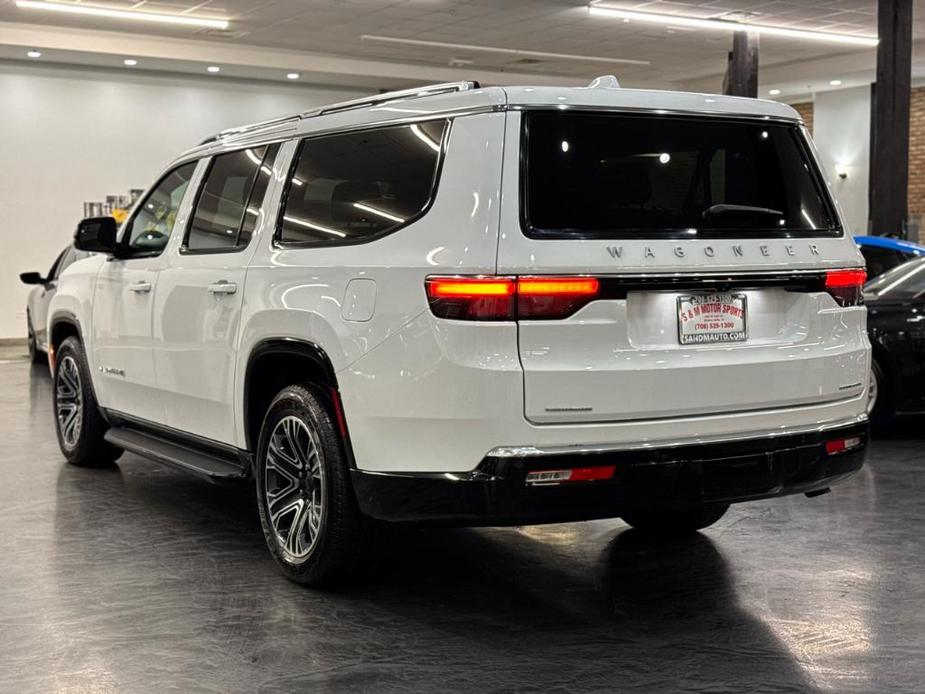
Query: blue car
{"points": [[883, 253]]}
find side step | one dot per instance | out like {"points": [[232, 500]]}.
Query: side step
{"points": [[210, 466]]}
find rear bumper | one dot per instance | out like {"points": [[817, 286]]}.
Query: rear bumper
{"points": [[496, 492]]}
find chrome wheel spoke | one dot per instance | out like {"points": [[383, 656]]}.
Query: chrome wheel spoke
{"points": [[294, 487], [282, 503], [294, 541], [282, 461], [314, 516], [68, 400]]}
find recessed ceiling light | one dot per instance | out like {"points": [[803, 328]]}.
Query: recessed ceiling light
{"points": [[466, 47], [727, 25], [774, 92], [131, 62], [34, 54], [214, 68], [293, 76], [835, 83], [75, 8]]}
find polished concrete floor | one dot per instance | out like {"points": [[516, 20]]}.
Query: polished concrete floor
{"points": [[139, 579]]}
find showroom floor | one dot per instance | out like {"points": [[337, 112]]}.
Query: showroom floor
{"points": [[139, 579]]}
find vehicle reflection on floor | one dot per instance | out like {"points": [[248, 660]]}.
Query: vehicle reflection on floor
{"points": [[138, 578]]}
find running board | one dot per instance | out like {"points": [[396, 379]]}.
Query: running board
{"points": [[209, 466]]}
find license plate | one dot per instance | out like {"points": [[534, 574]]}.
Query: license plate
{"points": [[710, 318]]}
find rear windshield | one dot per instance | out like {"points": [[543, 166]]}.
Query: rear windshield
{"points": [[591, 175]]}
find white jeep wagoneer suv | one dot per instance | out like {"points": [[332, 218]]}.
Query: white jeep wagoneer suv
{"points": [[476, 306]]}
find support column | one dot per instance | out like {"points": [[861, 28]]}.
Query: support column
{"points": [[742, 69], [889, 126]]}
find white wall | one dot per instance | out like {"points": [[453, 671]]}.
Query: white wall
{"points": [[70, 135], [841, 130]]}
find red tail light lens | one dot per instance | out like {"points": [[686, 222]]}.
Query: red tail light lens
{"points": [[846, 286], [553, 297], [471, 298], [509, 298]]}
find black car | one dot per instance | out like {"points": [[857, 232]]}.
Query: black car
{"points": [[882, 253], [896, 325]]}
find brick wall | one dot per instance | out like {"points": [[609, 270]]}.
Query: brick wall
{"points": [[917, 154], [806, 113]]}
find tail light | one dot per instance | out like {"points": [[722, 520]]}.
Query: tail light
{"points": [[509, 298], [542, 478], [471, 298], [846, 286], [836, 446]]}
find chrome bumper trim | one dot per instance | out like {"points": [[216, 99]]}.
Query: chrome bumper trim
{"points": [[539, 451]]}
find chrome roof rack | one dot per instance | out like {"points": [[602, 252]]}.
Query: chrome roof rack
{"points": [[412, 93], [383, 98], [248, 128]]}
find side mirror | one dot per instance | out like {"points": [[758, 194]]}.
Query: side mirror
{"points": [[31, 278], [96, 234]]}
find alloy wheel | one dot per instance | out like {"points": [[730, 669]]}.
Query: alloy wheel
{"points": [[294, 488], [68, 400]]}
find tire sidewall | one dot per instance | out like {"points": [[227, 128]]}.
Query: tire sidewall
{"points": [[305, 404], [882, 412], [33, 348]]}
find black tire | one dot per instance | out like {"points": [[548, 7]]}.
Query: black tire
{"points": [[80, 437], [881, 415], [298, 422], [675, 523], [36, 356]]}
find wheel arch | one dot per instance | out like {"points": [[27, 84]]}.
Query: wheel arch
{"points": [[274, 363], [62, 326]]}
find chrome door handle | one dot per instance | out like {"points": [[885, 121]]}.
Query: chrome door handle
{"points": [[223, 287], [140, 287]]}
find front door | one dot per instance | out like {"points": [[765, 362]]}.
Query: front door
{"points": [[123, 302]]}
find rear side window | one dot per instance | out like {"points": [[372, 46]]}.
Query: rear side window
{"points": [[354, 187], [592, 175], [229, 201]]}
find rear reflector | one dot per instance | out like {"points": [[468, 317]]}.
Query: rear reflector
{"points": [[576, 474], [509, 298], [846, 286], [841, 445]]}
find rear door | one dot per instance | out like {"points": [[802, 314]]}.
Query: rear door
{"points": [[709, 237], [201, 291]]}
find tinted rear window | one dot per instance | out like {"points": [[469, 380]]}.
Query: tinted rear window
{"points": [[617, 176]]}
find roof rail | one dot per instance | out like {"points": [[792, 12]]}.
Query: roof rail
{"points": [[415, 92], [412, 93], [227, 132]]}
